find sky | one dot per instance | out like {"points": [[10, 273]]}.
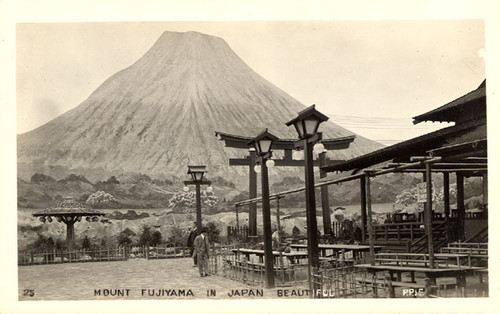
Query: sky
{"points": [[368, 76]]}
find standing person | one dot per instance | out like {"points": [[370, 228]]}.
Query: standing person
{"points": [[202, 249], [190, 243]]}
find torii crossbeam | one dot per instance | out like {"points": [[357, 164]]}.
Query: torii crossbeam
{"points": [[288, 146]]}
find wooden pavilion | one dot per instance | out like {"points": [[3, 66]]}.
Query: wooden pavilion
{"points": [[460, 149], [69, 212]]}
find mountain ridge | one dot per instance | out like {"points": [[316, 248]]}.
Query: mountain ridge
{"points": [[160, 113]]}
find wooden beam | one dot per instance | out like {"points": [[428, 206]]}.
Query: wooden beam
{"points": [[460, 206], [446, 199], [428, 215], [252, 193], [444, 170], [281, 162], [370, 221], [325, 201], [362, 182]]}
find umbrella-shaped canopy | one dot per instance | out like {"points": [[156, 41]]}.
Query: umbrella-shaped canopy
{"points": [[68, 208], [68, 212]]}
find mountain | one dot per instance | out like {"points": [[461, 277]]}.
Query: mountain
{"points": [[159, 115]]}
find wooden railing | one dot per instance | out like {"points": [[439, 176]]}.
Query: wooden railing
{"points": [[480, 236], [404, 231], [348, 282], [237, 233], [159, 252], [54, 256], [439, 239]]}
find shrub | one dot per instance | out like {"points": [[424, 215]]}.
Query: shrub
{"points": [[178, 236]]}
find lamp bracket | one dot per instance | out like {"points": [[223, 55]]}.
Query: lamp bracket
{"points": [[310, 140]]}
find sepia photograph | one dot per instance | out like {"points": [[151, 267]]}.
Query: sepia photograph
{"points": [[274, 160]]}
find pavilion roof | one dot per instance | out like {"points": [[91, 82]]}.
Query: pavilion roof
{"points": [[470, 131], [454, 110], [69, 207]]}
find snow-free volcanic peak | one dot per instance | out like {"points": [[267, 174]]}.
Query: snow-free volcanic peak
{"points": [[159, 114]]}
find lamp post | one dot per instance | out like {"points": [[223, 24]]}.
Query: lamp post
{"points": [[197, 173], [306, 124], [262, 144]]}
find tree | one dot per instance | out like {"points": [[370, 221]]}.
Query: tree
{"points": [[156, 238], [145, 237], [86, 243], [407, 197], [178, 236], [213, 232], [188, 199], [101, 199], [124, 239]]}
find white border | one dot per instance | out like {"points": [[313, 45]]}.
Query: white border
{"points": [[12, 12]]}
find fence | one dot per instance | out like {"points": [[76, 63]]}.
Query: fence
{"points": [[241, 234], [54, 256], [225, 263], [348, 282], [237, 234], [159, 252]]}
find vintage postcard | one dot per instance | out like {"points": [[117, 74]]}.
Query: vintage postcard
{"points": [[273, 159]]}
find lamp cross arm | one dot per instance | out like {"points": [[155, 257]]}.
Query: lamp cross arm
{"points": [[191, 182]]}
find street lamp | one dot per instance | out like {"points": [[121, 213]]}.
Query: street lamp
{"points": [[262, 144], [197, 173], [306, 124]]}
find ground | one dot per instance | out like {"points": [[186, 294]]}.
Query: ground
{"points": [[79, 281]]}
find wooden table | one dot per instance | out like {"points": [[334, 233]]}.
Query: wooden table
{"points": [[292, 256], [357, 250], [431, 273]]}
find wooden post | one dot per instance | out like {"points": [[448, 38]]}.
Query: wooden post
{"points": [[278, 223], [312, 225], [362, 182], [370, 220], [198, 208], [70, 231], [252, 189], [485, 189], [446, 199], [460, 206], [325, 201], [266, 217], [428, 215], [237, 220]]}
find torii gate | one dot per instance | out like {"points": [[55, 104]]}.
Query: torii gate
{"points": [[288, 146]]}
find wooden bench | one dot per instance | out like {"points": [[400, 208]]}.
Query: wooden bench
{"points": [[390, 284], [479, 245], [417, 259]]}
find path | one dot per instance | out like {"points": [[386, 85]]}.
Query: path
{"points": [[82, 281]]}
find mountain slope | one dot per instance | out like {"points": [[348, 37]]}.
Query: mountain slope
{"points": [[160, 114]]}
